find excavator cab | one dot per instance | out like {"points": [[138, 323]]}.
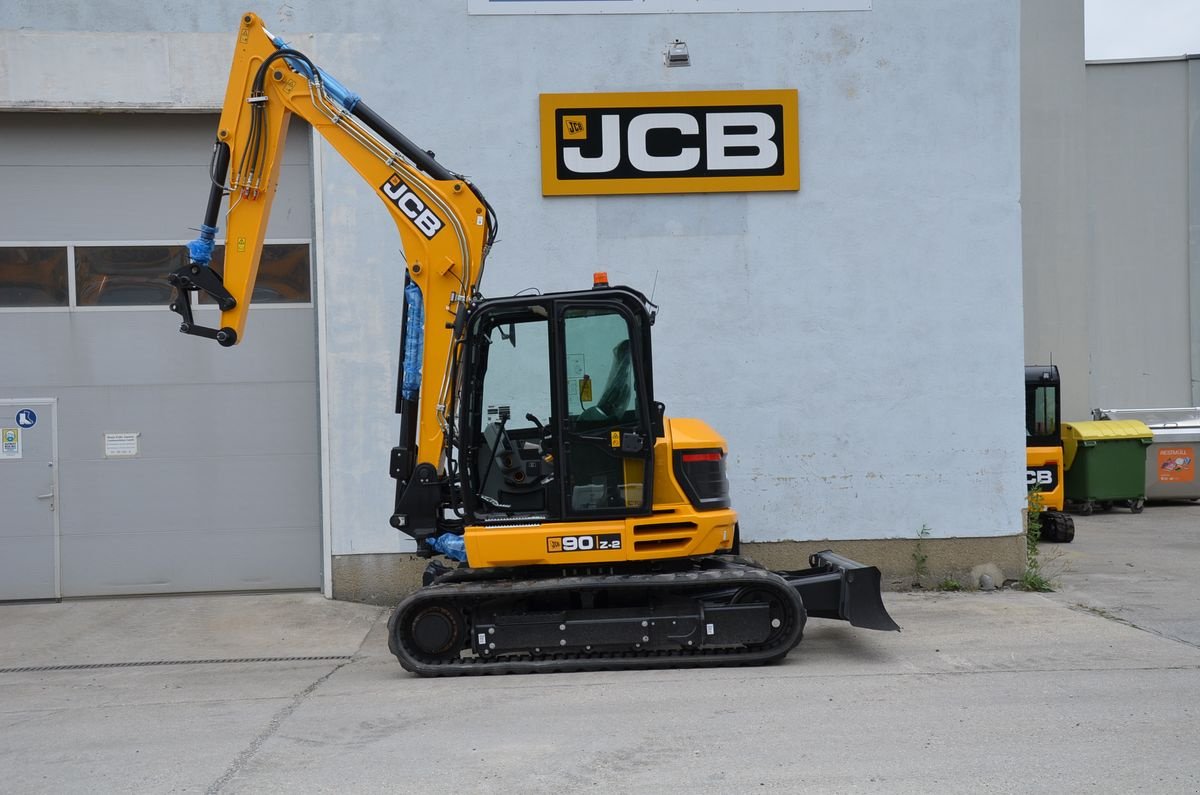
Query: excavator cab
{"points": [[558, 419]]}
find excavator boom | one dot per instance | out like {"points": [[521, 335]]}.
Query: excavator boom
{"points": [[445, 225]]}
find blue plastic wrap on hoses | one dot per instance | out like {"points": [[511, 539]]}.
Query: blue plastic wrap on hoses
{"points": [[342, 95], [414, 342], [450, 545], [200, 250]]}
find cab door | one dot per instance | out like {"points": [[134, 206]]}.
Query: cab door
{"points": [[511, 467], [604, 412]]}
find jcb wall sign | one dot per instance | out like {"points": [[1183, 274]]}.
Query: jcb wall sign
{"points": [[670, 142]]}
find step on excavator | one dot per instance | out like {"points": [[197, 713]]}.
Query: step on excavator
{"points": [[585, 529]]}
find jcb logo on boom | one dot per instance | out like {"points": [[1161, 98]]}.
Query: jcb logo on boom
{"points": [[411, 205], [669, 142]]}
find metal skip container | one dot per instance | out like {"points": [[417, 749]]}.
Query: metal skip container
{"points": [[1171, 457]]}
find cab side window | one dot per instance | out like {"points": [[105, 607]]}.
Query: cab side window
{"points": [[1041, 419]]}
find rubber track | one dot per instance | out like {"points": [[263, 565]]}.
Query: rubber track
{"points": [[726, 574]]}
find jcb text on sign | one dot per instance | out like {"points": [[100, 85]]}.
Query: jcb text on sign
{"points": [[669, 142]]}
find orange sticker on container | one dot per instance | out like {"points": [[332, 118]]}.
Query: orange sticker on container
{"points": [[1176, 464]]}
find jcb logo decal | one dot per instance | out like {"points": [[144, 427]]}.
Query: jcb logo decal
{"points": [[670, 142], [411, 205], [1042, 478], [574, 127]]}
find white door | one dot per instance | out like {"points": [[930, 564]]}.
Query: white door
{"points": [[28, 493]]}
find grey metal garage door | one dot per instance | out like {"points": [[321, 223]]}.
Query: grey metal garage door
{"points": [[182, 466]]}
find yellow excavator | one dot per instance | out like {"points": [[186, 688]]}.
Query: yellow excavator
{"points": [[1044, 450], [591, 532]]}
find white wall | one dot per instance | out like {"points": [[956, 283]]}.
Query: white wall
{"points": [[858, 342]]}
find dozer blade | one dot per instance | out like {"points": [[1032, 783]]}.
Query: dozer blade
{"points": [[837, 587]]}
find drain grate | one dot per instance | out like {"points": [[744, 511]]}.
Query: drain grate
{"points": [[148, 663]]}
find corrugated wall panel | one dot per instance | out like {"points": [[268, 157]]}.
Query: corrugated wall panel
{"points": [[225, 491], [1138, 235]]}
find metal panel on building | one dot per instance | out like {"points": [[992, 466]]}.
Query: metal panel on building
{"points": [[154, 493], [1138, 234]]}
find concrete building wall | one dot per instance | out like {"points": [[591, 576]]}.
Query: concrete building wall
{"points": [[812, 329], [857, 342], [1054, 199], [1138, 238]]}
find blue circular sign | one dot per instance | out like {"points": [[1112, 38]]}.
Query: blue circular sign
{"points": [[26, 418]]}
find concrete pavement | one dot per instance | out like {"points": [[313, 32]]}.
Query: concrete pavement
{"points": [[995, 692], [1141, 568]]}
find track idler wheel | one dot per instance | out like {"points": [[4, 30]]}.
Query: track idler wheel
{"points": [[437, 631], [780, 624]]}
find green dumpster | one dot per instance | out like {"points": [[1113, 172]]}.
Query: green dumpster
{"points": [[1105, 464]]}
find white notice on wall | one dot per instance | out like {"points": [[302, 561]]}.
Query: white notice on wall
{"points": [[10, 442], [121, 445]]}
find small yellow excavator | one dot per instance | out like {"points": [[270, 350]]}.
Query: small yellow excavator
{"points": [[1044, 450], [591, 531]]}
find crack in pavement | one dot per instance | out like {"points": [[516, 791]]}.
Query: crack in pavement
{"points": [[272, 726], [248, 753], [1106, 614]]}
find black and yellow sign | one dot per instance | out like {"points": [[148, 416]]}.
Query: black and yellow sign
{"points": [[670, 142]]}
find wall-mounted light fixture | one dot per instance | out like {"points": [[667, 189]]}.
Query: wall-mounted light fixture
{"points": [[676, 54]]}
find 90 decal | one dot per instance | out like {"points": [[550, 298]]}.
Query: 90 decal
{"points": [[605, 541]]}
